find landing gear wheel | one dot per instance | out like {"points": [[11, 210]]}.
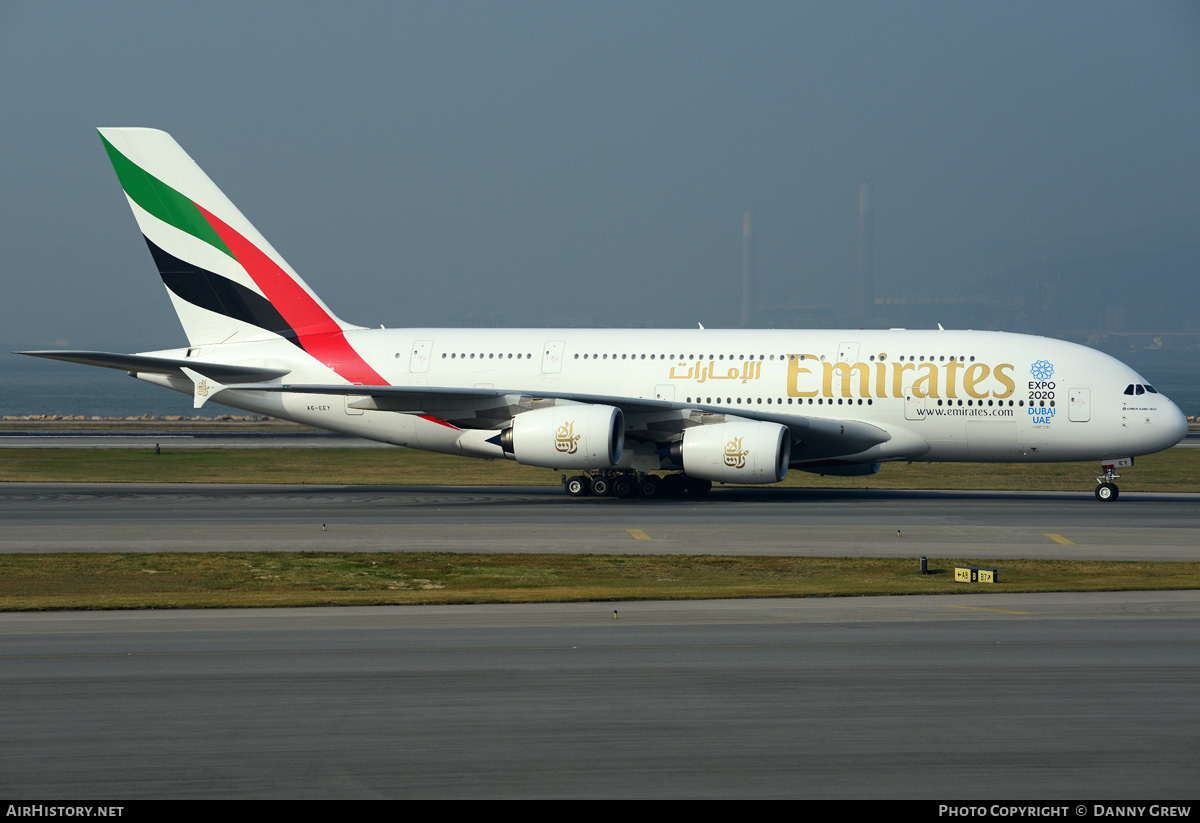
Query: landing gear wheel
{"points": [[579, 486], [601, 486], [672, 485], [1106, 489], [651, 486], [624, 487]]}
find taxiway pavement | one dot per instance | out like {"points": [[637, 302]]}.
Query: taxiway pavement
{"points": [[44, 517], [1021, 696]]}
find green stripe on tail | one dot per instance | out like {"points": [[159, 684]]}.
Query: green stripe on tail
{"points": [[161, 200]]}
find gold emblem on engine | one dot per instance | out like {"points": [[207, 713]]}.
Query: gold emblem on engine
{"points": [[735, 455], [565, 439]]}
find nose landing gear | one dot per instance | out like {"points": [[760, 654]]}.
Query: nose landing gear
{"points": [[1106, 489]]}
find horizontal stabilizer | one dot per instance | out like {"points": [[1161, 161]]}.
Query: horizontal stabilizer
{"points": [[220, 372]]}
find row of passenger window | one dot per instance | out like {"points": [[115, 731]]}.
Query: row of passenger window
{"points": [[482, 356], [980, 402], [850, 401], [672, 357], [872, 358], [912, 358], [779, 401]]}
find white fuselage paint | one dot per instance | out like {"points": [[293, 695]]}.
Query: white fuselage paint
{"points": [[941, 395]]}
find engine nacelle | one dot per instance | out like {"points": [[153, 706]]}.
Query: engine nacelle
{"points": [[567, 437], [735, 452]]}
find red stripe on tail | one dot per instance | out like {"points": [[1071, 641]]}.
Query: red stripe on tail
{"points": [[318, 333]]}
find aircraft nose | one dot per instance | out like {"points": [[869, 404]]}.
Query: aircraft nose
{"points": [[1176, 427], [1164, 427]]}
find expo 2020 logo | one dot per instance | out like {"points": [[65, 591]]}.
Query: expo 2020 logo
{"points": [[1042, 370]]}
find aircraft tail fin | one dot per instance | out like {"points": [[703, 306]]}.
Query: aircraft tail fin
{"points": [[226, 282]]}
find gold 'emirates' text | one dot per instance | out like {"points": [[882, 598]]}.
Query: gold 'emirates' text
{"points": [[977, 380]]}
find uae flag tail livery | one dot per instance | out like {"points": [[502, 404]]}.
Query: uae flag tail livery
{"points": [[227, 283]]}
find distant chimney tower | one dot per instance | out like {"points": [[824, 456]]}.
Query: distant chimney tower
{"points": [[866, 256], [747, 271]]}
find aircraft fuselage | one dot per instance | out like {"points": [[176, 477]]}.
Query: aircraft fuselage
{"points": [[948, 395]]}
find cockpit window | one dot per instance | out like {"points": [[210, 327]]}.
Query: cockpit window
{"points": [[1129, 389], [1151, 389], [1140, 389]]}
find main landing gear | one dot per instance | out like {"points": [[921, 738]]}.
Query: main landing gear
{"points": [[635, 484]]}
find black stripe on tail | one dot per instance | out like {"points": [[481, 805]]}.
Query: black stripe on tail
{"points": [[211, 291]]}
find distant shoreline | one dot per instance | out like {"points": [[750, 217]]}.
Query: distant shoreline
{"points": [[79, 421]]}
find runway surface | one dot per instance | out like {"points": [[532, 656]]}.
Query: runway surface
{"points": [[987, 697], [186, 517]]}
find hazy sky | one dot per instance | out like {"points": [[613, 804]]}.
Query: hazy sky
{"points": [[426, 163]]}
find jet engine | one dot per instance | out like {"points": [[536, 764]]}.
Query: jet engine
{"points": [[735, 452], [566, 437]]}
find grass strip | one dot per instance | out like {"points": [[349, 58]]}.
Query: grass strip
{"points": [[263, 579], [1175, 470]]}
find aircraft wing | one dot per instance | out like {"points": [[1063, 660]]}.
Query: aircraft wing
{"points": [[134, 363], [812, 438], [416, 399]]}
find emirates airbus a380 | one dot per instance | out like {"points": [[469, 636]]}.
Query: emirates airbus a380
{"points": [[625, 412]]}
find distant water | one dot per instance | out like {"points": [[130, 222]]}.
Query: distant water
{"points": [[34, 386], [31, 385]]}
